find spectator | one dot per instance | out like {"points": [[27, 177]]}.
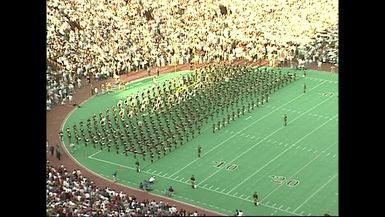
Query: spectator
{"points": [[70, 193], [101, 40]]}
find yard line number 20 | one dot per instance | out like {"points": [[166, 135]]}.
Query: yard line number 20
{"points": [[283, 180], [224, 165]]}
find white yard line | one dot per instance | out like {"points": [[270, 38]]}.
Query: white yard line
{"points": [[312, 195], [94, 154], [280, 154], [247, 150], [320, 79], [254, 122], [299, 170]]}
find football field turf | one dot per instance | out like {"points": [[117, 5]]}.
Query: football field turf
{"points": [[293, 168]]}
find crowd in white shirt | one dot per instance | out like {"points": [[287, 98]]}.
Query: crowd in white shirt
{"points": [[71, 194], [106, 37]]}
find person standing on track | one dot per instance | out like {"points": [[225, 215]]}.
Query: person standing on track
{"points": [[304, 88], [285, 119], [61, 135], [199, 151]]}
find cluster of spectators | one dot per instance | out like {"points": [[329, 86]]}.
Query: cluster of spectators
{"points": [[69, 193], [100, 38]]}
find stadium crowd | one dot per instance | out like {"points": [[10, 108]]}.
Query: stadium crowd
{"points": [[71, 194], [100, 38]]}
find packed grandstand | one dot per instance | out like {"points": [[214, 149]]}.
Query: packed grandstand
{"points": [[102, 38]]}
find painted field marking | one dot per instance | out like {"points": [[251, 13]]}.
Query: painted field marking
{"points": [[299, 170], [280, 154], [275, 131], [181, 179], [248, 117], [312, 195], [94, 154], [254, 122]]}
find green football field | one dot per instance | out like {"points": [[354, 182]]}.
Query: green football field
{"points": [[293, 168]]}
